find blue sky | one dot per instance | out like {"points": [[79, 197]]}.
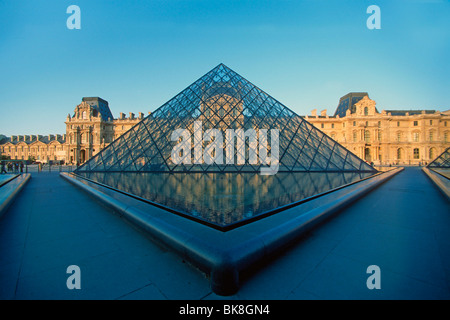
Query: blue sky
{"points": [[139, 54]]}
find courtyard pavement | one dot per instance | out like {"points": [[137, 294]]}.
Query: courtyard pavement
{"points": [[403, 227]]}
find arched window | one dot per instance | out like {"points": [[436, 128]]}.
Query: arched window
{"points": [[399, 153], [367, 154], [432, 153]]}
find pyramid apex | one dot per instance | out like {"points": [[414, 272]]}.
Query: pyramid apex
{"points": [[222, 65]]}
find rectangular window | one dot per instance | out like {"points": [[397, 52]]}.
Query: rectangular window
{"points": [[332, 125], [367, 136], [415, 136], [398, 123], [416, 123], [416, 153]]}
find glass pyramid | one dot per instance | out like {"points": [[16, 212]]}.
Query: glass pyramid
{"points": [[442, 161], [224, 123]]}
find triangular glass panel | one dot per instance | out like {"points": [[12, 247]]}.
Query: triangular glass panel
{"points": [[442, 161]]}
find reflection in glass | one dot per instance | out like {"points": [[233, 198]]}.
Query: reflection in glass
{"points": [[224, 199]]}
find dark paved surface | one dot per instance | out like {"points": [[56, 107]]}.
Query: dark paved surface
{"points": [[403, 227]]}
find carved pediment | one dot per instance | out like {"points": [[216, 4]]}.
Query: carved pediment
{"points": [[365, 106]]}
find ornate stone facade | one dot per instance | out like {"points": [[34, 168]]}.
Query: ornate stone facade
{"points": [[33, 147], [89, 129], [388, 137], [92, 128]]}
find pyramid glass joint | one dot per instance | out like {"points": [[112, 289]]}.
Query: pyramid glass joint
{"points": [[224, 123], [442, 161]]}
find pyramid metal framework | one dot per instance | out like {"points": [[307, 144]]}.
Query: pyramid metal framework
{"points": [[223, 100], [442, 161]]}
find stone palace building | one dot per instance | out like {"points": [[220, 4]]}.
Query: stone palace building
{"points": [[389, 137]]}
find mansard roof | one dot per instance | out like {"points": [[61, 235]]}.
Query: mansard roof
{"points": [[101, 106]]}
